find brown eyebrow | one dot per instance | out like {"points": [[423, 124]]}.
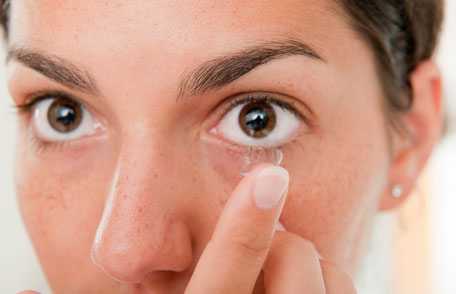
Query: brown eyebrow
{"points": [[221, 71], [212, 74], [55, 68]]}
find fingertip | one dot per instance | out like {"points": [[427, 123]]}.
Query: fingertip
{"points": [[261, 166], [270, 186]]}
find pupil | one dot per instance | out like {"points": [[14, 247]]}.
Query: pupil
{"points": [[64, 115], [257, 119]]}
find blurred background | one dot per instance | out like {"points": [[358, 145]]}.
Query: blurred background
{"points": [[420, 236]]}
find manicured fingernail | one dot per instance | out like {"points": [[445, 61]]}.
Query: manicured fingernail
{"points": [[270, 186]]}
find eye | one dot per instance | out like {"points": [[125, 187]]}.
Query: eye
{"points": [[61, 119], [261, 122]]}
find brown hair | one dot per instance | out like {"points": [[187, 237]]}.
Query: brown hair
{"points": [[402, 33]]}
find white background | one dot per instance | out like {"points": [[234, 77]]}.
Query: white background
{"points": [[19, 268]]}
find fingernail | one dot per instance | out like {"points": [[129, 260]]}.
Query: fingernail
{"points": [[270, 186]]}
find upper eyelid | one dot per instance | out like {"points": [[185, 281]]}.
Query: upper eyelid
{"points": [[39, 96], [278, 102]]}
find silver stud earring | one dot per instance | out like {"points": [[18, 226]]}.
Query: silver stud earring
{"points": [[397, 191]]}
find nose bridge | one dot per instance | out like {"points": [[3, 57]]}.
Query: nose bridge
{"points": [[140, 230]]}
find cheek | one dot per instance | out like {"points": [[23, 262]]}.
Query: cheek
{"points": [[333, 194], [61, 201]]}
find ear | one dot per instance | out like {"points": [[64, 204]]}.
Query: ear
{"points": [[424, 122]]}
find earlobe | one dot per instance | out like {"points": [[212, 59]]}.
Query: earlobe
{"points": [[424, 123], [403, 175], [396, 197]]}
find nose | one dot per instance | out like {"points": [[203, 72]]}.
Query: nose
{"points": [[141, 230]]}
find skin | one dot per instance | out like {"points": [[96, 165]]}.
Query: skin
{"points": [[163, 189]]}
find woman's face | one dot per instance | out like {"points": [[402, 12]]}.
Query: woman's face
{"points": [[140, 172]]}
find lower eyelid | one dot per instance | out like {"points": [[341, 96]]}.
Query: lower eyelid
{"points": [[76, 145]]}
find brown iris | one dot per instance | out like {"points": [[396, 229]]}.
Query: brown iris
{"points": [[64, 115], [257, 119]]}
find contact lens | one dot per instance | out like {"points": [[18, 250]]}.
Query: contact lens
{"points": [[224, 165], [256, 155], [228, 163]]}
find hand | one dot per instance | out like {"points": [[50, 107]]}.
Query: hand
{"points": [[245, 242]]}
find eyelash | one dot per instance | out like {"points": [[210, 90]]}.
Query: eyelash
{"points": [[40, 145], [26, 108]]}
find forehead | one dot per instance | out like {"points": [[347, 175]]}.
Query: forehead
{"points": [[185, 10], [169, 21], [163, 39]]}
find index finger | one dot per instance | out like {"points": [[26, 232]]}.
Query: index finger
{"points": [[233, 258]]}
